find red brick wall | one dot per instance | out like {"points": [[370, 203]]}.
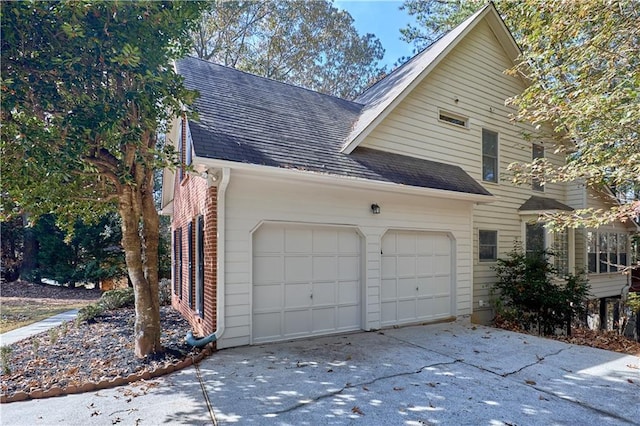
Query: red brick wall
{"points": [[191, 199]]}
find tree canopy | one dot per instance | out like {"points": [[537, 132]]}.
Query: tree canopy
{"points": [[582, 60], [85, 87], [307, 43]]}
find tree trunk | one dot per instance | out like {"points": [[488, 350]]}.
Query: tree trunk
{"points": [[142, 266]]}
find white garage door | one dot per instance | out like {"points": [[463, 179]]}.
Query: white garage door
{"points": [[416, 277], [306, 281]]}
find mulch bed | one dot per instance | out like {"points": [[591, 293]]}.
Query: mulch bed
{"points": [[95, 354], [29, 290], [601, 339]]}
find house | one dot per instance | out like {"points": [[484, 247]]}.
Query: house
{"points": [[302, 214]]}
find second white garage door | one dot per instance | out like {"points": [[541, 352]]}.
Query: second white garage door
{"points": [[306, 281], [416, 277]]}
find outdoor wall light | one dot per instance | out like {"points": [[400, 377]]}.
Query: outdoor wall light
{"points": [[375, 209]]}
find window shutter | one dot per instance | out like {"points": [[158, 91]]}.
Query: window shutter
{"points": [[190, 263], [200, 267]]}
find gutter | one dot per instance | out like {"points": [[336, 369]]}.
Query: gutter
{"points": [[220, 314]]}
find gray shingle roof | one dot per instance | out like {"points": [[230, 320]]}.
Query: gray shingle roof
{"points": [[536, 203], [249, 119]]}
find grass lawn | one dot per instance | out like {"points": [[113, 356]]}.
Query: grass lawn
{"points": [[18, 312]]}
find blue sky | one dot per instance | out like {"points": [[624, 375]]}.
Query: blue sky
{"points": [[384, 19]]}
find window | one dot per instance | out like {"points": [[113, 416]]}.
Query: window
{"points": [[177, 262], [560, 250], [537, 151], [455, 119], [190, 263], [200, 262], [534, 239], [538, 240], [607, 252], [489, 156], [488, 245]]}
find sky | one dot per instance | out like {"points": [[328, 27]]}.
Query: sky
{"points": [[384, 19]]}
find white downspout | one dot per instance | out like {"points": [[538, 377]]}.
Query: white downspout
{"points": [[220, 314]]}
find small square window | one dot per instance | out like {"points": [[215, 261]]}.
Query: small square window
{"points": [[488, 245]]}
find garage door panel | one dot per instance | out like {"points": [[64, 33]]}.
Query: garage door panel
{"points": [[271, 241], [347, 316], [267, 325], [348, 242], [349, 267], [406, 310], [296, 322], [298, 240], [425, 244], [388, 290], [388, 244], [348, 292], [417, 270], [297, 269], [324, 293], [425, 265], [297, 295], [267, 297], [441, 284], [325, 268], [406, 287], [389, 269], [405, 243], [306, 281], [325, 242], [406, 266], [442, 265], [323, 320], [270, 268], [389, 312]]}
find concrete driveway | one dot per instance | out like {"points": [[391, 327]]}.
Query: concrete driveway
{"points": [[450, 374]]}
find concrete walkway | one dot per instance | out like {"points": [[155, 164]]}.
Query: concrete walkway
{"points": [[18, 334], [446, 374]]}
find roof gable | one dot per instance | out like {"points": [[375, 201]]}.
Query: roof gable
{"points": [[380, 99], [243, 118]]}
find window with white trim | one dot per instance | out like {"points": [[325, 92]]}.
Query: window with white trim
{"points": [[607, 251], [489, 156], [538, 239], [487, 245]]}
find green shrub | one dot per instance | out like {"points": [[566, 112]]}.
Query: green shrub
{"points": [[116, 299], [530, 294], [5, 358], [90, 312]]}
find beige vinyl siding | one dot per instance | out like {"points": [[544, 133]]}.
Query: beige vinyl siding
{"points": [[253, 199], [470, 82]]}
